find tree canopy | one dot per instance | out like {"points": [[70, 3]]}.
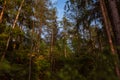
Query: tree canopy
{"points": [[35, 45]]}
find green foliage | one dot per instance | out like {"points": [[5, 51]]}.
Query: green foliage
{"points": [[3, 40], [68, 73], [17, 32], [4, 67], [37, 47]]}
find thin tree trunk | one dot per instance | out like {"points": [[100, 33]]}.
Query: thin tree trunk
{"points": [[65, 51], [65, 46], [3, 9], [116, 22], [39, 38], [40, 30], [30, 63], [51, 46], [16, 19], [30, 58], [107, 26], [17, 16], [51, 49]]}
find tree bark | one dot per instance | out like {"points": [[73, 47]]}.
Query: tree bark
{"points": [[107, 26], [17, 16], [3, 9], [116, 22]]}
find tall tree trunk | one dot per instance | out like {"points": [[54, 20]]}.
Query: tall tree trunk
{"points": [[52, 41], [51, 49], [30, 66], [116, 22], [32, 49], [16, 19], [17, 16], [3, 9], [40, 31], [38, 48], [108, 26], [65, 45]]}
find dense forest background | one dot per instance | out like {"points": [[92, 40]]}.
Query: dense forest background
{"points": [[84, 45]]}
